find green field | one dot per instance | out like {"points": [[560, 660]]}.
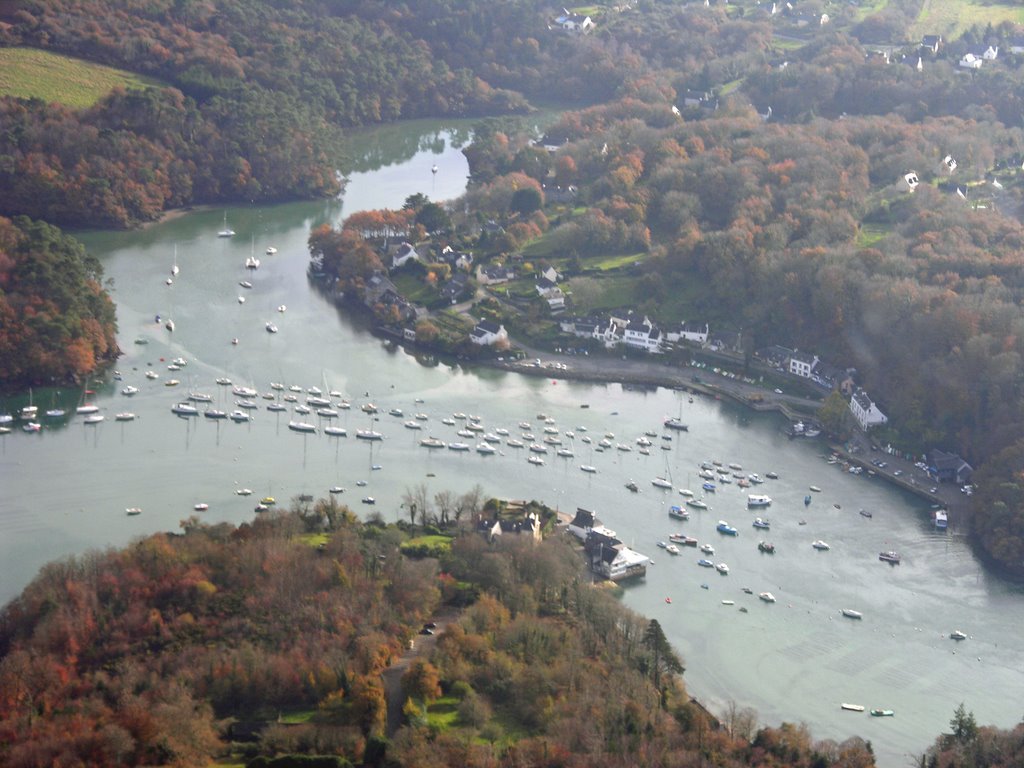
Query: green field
{"points": [[31, 73], [950, 18]]}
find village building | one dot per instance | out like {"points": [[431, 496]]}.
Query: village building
{"points": [[949, 468], [865, 411], [487, 333]]}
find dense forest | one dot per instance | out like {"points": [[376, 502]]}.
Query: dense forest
{"points": [[56, 321], [165, 652]]}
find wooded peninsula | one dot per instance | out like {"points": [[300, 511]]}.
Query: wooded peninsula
{"points": [[820, 175]]}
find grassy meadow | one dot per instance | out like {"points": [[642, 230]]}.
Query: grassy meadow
{"points": [[950, 18], [32, 73]]}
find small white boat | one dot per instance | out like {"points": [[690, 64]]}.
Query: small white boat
{"points": [[536, 460], [588, 468], [129, 391], [768, 597], [184, 408], [225, 230], [722, 568], [707, 549], [271, 250], [241, 299], [201, 507], [336, 431], [957, 634], [336, 489], [432, 442], [132, 511], [661, 482], [852, 707], [271, 328], [852, 614], [301, 426], [124, 416], [86, 409], [458, 447], [245, 283], [281, 307], [239, 416], [244, 492], [485, 449], [820, 545], [368, 434]]}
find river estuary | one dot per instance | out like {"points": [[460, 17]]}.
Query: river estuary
{"points": [[66, 488]]}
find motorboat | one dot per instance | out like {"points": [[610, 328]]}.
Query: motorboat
{"points": [[755, 478], [536, 460], [760, 522], [271, 250], [32, 426], [958, 635], [889, 557], [678, 513], [768, 597], [124, 416], [820, 545], [243, 492], [184, 408], [726, 529], [271, 328], [129, 391], [201, 506], [941, 519], [864, 513], [758, 500], [766, 547], [676, 424], [672, 549], [238, 416], [301, 426], [709, 486], [396, 412], [132, 511], [368, 500], [632, 486], [411, 424], [722, 568], [335, 489], [705, 563], [707, 549], [852, 614], [681, 538], [268, 500], [882, 713], [772, 475]]}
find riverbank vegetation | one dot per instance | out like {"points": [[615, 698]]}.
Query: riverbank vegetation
{"points": [[56, 321], [251, 644]]}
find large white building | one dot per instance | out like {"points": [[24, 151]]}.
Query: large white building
{"points": [[865, 411]]}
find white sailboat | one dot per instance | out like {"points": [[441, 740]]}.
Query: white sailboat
{"points": [[174, 267], [252, 262], [225, 230]]}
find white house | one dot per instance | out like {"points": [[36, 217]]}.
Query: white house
{"points": [[866, 412], [614, 560], [585, 522], [695, 332], [911, 180], [574, 22], [642, 335], [487, 333], [403, 255], [802, 363], [551, 275], [970, 61]]}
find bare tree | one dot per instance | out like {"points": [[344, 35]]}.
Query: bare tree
{"points": [[446, 502]]}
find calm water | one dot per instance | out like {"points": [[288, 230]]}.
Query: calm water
{"points": [[66, 489]]}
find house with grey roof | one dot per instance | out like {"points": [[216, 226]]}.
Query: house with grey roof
{"points": [[865, 411]]}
